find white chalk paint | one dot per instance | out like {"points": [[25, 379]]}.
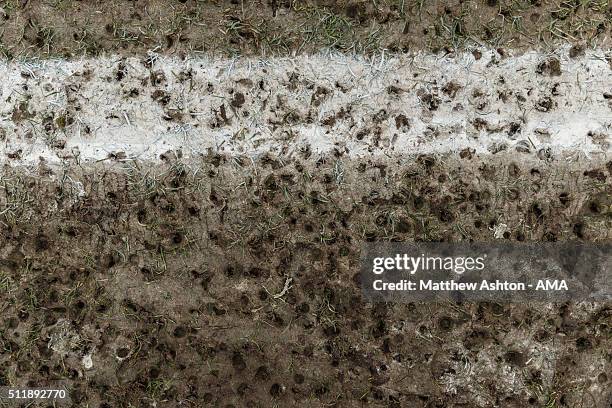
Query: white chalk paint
{"points": [[496, 94]]}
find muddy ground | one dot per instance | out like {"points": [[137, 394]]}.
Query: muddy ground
{"points": [[165, 285], [64, 28], [183, 231]]}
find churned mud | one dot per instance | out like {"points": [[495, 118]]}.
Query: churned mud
{"points": [[229, 281], [65, 28], [186, 187]]}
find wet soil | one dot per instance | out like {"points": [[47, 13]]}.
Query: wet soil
{"points": [[227, 282], [73, 28]]}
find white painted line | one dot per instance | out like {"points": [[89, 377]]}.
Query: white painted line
{"points": [[96, 108]]}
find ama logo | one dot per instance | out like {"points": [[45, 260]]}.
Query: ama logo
{"points": [[545, 284]]}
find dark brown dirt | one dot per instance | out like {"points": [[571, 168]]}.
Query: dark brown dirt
{"points": [[72, 28], [172, 278], [227, 282]]}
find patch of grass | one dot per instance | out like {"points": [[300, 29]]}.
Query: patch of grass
{"points": [[7, 283], [157, 387], [551, 401], [14, 199], [323, 26]]}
